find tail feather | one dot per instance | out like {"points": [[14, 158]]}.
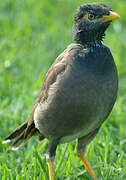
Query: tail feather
{"points": [[15, 133], [21, 135], [25, 140], [18, 139]]}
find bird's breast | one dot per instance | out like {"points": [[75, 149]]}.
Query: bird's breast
{"points": [[80, 99]]}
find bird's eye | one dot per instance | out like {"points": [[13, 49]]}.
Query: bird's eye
{"points": [[91, 16]]}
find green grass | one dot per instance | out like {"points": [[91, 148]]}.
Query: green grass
{"points": [[32, 34]]}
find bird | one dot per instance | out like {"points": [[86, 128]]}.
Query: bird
{"points": [[78, 92]]}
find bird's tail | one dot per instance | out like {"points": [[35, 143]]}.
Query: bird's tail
{"points": [[21, 135]]}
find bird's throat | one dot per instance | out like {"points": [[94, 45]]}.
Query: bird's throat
{"points": [[88, 38]]}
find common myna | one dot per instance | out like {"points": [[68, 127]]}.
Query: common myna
{"points": [[79, 90]]}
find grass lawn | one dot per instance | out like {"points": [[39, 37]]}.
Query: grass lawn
{"points": [[32, 34]]}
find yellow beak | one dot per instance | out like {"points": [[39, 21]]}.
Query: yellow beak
{"points": [[112, 16]]}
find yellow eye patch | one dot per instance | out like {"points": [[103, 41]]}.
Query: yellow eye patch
{"points": [[104, 18], [95, 20]]}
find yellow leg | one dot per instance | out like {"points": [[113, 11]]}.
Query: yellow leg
{"points": [[87, 165], [50, 166]]}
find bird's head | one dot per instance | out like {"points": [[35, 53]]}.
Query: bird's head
{"points": [[91, 21]]}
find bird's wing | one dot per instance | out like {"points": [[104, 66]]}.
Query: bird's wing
{"points": [[57, 67]]}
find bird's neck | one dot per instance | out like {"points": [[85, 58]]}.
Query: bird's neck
{"points": [[88, 39]]}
